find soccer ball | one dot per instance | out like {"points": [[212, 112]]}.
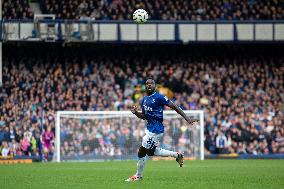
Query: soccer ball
{"points": [[140, 16]]}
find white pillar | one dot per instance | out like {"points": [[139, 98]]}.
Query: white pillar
{"points": [[1, 46], [1, 82], [202, 135], [57, 136]]}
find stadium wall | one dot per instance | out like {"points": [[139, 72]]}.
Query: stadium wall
{"points": [[152, 32]]}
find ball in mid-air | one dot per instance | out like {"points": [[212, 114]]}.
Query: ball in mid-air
{"points": [[140, 16]]}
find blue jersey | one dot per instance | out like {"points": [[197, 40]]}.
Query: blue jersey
{"points": [[152, 107]]}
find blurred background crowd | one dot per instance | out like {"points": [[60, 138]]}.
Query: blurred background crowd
{"points": [[240, 90], [16, 9], [158, 10], [86, 137]]}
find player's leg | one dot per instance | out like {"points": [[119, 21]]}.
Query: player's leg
{"points": [[168, 153], [143, 157], [152, 142], [165, 153], [45, 152], [143, 152]]}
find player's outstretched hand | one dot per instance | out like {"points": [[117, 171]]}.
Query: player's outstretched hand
{"points": [[192, 121], [134, 109]]}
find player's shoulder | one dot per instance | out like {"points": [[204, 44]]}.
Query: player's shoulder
{"points": [[157, 94], [162, 97]]}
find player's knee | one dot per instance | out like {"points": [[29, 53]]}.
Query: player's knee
{"points": [[151, 151], [142, 152]]}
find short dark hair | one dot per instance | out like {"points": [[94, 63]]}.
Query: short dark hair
{"points": [[150, 78]]}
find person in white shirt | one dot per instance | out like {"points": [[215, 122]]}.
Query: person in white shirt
{"points": [[5, 150], [221, 143]]}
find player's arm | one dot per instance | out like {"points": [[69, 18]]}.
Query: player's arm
{"points": [[140, 115], [179, 111]]}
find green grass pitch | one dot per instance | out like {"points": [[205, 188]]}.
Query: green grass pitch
{"points": [[211, 174]]}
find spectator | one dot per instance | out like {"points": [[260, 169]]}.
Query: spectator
{"points": [[14, 148], [25, 146], [48, 140], [6, 134], [128, 102], [5, 149], [221, 143], [1, 134], [34, 145], [12, 133]]}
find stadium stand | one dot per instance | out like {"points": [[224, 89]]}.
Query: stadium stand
{"points": [[240, 92], [158, 10], [166, 9], [18, 9]]}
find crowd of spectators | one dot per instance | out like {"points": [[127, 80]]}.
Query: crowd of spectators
{"points": [[167, 9], [158, 10], [242, 97], [85, 137], [16, 9]]}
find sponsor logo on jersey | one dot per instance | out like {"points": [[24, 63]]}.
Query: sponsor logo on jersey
{"points": [[147, 108]]}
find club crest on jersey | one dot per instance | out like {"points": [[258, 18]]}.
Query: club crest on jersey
{"points": [[153, 101]]}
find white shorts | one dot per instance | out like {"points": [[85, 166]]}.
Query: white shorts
{"points": [[150, 140]]}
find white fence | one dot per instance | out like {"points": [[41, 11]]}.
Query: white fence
{"points": [[153, 31]]}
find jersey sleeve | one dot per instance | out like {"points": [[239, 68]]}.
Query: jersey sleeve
{"points": [[163, 100]]}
